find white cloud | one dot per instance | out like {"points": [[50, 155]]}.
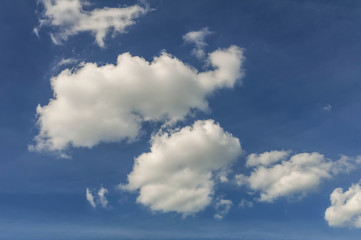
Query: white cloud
{"points": [[89, 196], [98, 199], [266, 158], [66, 61], [345, 209], [69, 18], [198, 39], [94, 104], [222, 207], [300, 174], [102, 199], [178, 174]]}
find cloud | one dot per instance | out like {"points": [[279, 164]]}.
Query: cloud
{"points": [[66, 61], [245, 203], [345, 209], [266, 158], [69, 18], [89, 196], [222, 206], [197, 38], [98, 199], [102, 199], [94, 104], [178, 174], [300, 174]]}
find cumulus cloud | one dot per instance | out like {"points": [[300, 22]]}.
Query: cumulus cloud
{"points": [[198, 39], [69, 18], [178, 174], [296, 176], [94, 104], [345, 209], [222, 207], [99, 199]]}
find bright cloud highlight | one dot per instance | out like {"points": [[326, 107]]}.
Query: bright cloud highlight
{"points": [[179, 171], [94, 104]]}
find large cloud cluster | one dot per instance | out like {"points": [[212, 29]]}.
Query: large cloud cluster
{"points": [[108, 103], [178, 173], [69, 18], [93, 104]]}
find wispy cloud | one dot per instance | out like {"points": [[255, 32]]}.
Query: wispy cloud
{"points": [[222, 207], [99, 199], [89, 196], [198, 39]]}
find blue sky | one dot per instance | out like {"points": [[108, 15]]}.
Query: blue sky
{"points": [[226, 120]]}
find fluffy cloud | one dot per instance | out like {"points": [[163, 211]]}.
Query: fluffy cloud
{"points": [[345, 209], [69, 18], [98, 199], [179, 171], [222, 206], [198, 39], [300, 174], [108, 103]]}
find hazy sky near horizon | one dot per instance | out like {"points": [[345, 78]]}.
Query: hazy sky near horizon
{"points": [[180, 119]]}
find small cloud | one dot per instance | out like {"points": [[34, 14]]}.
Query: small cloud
{"points": [[198, 39], [90, 198], [266, 158], [98, 199], [222, 207], [245, 203], [102, 199], [36, 32], [67, 61]]}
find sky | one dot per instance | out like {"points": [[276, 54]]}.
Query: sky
{"points": [[179, 120]]}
